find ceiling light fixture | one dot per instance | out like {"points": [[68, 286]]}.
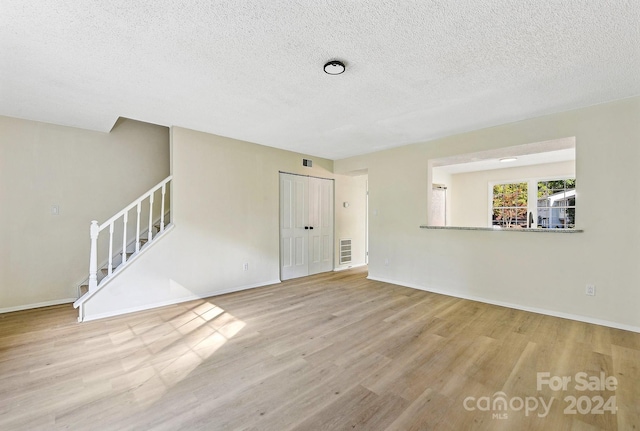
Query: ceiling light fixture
{"points": [[334, 67], [507, 159]]}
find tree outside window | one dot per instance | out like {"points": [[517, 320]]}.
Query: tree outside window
{"points": [[510, 202]]}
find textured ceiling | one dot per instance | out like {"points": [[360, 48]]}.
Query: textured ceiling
{"points": [[252, 69]]}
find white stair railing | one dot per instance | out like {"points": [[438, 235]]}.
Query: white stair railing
{"points": [[96, 228]]}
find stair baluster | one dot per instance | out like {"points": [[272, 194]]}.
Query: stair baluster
{"points": [[125, 218], [94, 230], [150, 231], [164, 189], [138, 228], [110, 266]]}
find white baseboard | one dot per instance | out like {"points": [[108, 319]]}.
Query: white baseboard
{"points": [[176, 301], [345, 267], [37, 305], [553, 313]]}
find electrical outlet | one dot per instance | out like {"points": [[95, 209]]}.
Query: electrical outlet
{"points": [[245, 266], [590, 290]]}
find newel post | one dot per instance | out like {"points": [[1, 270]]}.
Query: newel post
{"points": [[94, 230]]}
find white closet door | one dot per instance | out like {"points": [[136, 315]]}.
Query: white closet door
{"points": [[320, 225], [306, 225], [294, 218]]}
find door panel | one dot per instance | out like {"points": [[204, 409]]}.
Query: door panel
{"points": [[326, 205], [326, 248], [315, 256], [299, 203], [286, 256], [293, 219], [321, 213], [300, 251]]}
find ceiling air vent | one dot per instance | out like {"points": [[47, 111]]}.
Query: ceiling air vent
{"points": [[306, 162]]}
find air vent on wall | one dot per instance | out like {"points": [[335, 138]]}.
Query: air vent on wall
{"points": [[345, 251], [306, 162]]}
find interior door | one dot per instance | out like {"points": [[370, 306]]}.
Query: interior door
{"points": [[294, 218], [320, 225], [306, 225]]}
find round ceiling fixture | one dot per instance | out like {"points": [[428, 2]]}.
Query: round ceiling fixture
{"points": [[334, 67], [508, 159]]}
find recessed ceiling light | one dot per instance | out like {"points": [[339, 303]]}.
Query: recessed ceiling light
{"points": [[507, 159], [334, 67]]}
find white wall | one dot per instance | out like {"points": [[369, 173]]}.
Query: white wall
{"points": [[226, 212], [470, 203], [351, 221], [505, 267], [89, 175]]}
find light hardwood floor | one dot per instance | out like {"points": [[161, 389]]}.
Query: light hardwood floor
{"points": [[328, 352]]}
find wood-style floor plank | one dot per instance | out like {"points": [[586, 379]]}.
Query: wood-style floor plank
{"points": [[332, 352]]}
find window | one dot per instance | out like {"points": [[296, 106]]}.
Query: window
{"points": [[556, 206], [548, 204], [510, 205]]}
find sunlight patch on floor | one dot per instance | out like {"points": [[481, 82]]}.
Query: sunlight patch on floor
{"points": [[171, 350]]}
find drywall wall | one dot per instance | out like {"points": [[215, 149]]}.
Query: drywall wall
{"points": [[351, 220], [539, 271], [88, 175], [225, 197], [470, 203]]}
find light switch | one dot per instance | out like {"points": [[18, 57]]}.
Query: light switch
{"points": [[55, 210]]}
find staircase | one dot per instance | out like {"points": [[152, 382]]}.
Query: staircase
{"points": [[103, 272], [123, 240]]}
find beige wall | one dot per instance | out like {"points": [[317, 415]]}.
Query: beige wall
{"points": [[513, 267], [226, 212], [351, 221], [89, 175], [470, 203]]}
